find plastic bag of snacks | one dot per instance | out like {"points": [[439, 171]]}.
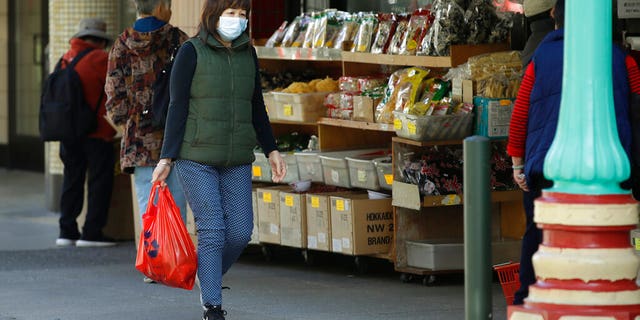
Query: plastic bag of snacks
{"points": [[386, 28], [276, 38], [326, 27], [401, 92], [449, 27], [291, 33], [399, 34], [346, 34], [436, 89], [366, 28], [305, 25], [481, 19], [417, 29], [310, 31], [502, 28]]}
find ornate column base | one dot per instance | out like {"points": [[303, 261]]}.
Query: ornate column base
{"points": [[541, 311]]}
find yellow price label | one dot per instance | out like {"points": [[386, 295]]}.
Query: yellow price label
{"points": [[412, 44], [257, 171], [288, 201], [340, 205], [451, 200], [266, 197], [388, 178], [411, 127], [397, 124], [505, 103], [315, 202], [287, 109], [637, 243]]}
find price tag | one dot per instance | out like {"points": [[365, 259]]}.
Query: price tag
{"points": [[505, 103], [362, 175], [266, 197], [388, 178], [636, 241], [451, 200], [257, 171], [315, 202], [335, 176], [287, 109], [340, 205], [411, 127], [397, 124], [288, 201]]}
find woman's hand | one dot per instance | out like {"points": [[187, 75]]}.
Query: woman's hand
{"points": [[278, 167], [520, 179], [161, 172]]}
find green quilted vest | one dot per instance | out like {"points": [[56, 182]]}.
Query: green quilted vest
{"points": [[219, 130]]}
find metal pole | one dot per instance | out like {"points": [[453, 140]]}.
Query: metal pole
{"points": [[477, 228]]}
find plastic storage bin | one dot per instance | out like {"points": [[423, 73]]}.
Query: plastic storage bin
{"points": [[270, 103], [299, 107], [309, 166], [261, 169], [384, 169], [363, 173], [436, 254], [335, 167], [427, 128]]}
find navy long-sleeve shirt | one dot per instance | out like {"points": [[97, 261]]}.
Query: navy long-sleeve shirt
{"points": [[182, 73]]}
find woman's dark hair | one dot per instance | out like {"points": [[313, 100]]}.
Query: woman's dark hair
{"points": [[558, 14], [214, 8]]}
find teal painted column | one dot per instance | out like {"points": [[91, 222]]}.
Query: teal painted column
{"points": [[586, 156]]}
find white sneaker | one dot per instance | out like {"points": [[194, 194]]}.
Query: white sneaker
{"points": [[64, 242], [102, 242]]}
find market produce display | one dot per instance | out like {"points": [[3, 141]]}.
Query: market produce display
{"points": [[425, 31]]}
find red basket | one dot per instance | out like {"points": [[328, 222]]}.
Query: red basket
{"points": [[508, 275]]}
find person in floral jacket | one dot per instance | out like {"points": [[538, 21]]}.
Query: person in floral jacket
{"points": [[135, 60]]}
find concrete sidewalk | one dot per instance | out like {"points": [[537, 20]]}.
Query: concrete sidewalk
{"points": [[40, 281]]}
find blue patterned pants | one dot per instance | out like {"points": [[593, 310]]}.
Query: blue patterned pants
{"points": [[220, 198]]}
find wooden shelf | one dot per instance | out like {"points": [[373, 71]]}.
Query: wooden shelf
{"points": [[457, 199], [459, 55], [426, 143], [293, 123], [357, 124], [396, 60], [302, 54]]}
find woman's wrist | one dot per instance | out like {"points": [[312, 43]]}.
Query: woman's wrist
{"points": [[517, 166]]}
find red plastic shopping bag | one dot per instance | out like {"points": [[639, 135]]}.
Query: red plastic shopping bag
{"points": [[166, 253]]}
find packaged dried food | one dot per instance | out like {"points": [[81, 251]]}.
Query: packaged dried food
{"points": [[435, 90], [399, 34], [305, 24], [502, 28], [366, 30], [370, 83], [417, 29], [401, 92], [386, 28], [345, 37], [276, 38], [348, 83], [291, 33], [449, 27], [310, 31], [481, 19]]}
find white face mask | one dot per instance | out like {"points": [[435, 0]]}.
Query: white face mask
{"points": [[230, 28]]}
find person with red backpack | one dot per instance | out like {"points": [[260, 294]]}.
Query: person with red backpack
{"points": [[92, 154]]}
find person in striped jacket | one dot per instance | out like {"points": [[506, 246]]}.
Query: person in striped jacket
{"points": [[534, 121]]}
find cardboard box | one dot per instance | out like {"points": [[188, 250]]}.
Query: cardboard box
{"points": [[360, 225], [269, 213], [293, 219], [493, 116], [462, 90], [363, 109], [319, 220]]}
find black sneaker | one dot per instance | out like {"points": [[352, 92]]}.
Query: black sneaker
{"points": [[213, 313]]}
